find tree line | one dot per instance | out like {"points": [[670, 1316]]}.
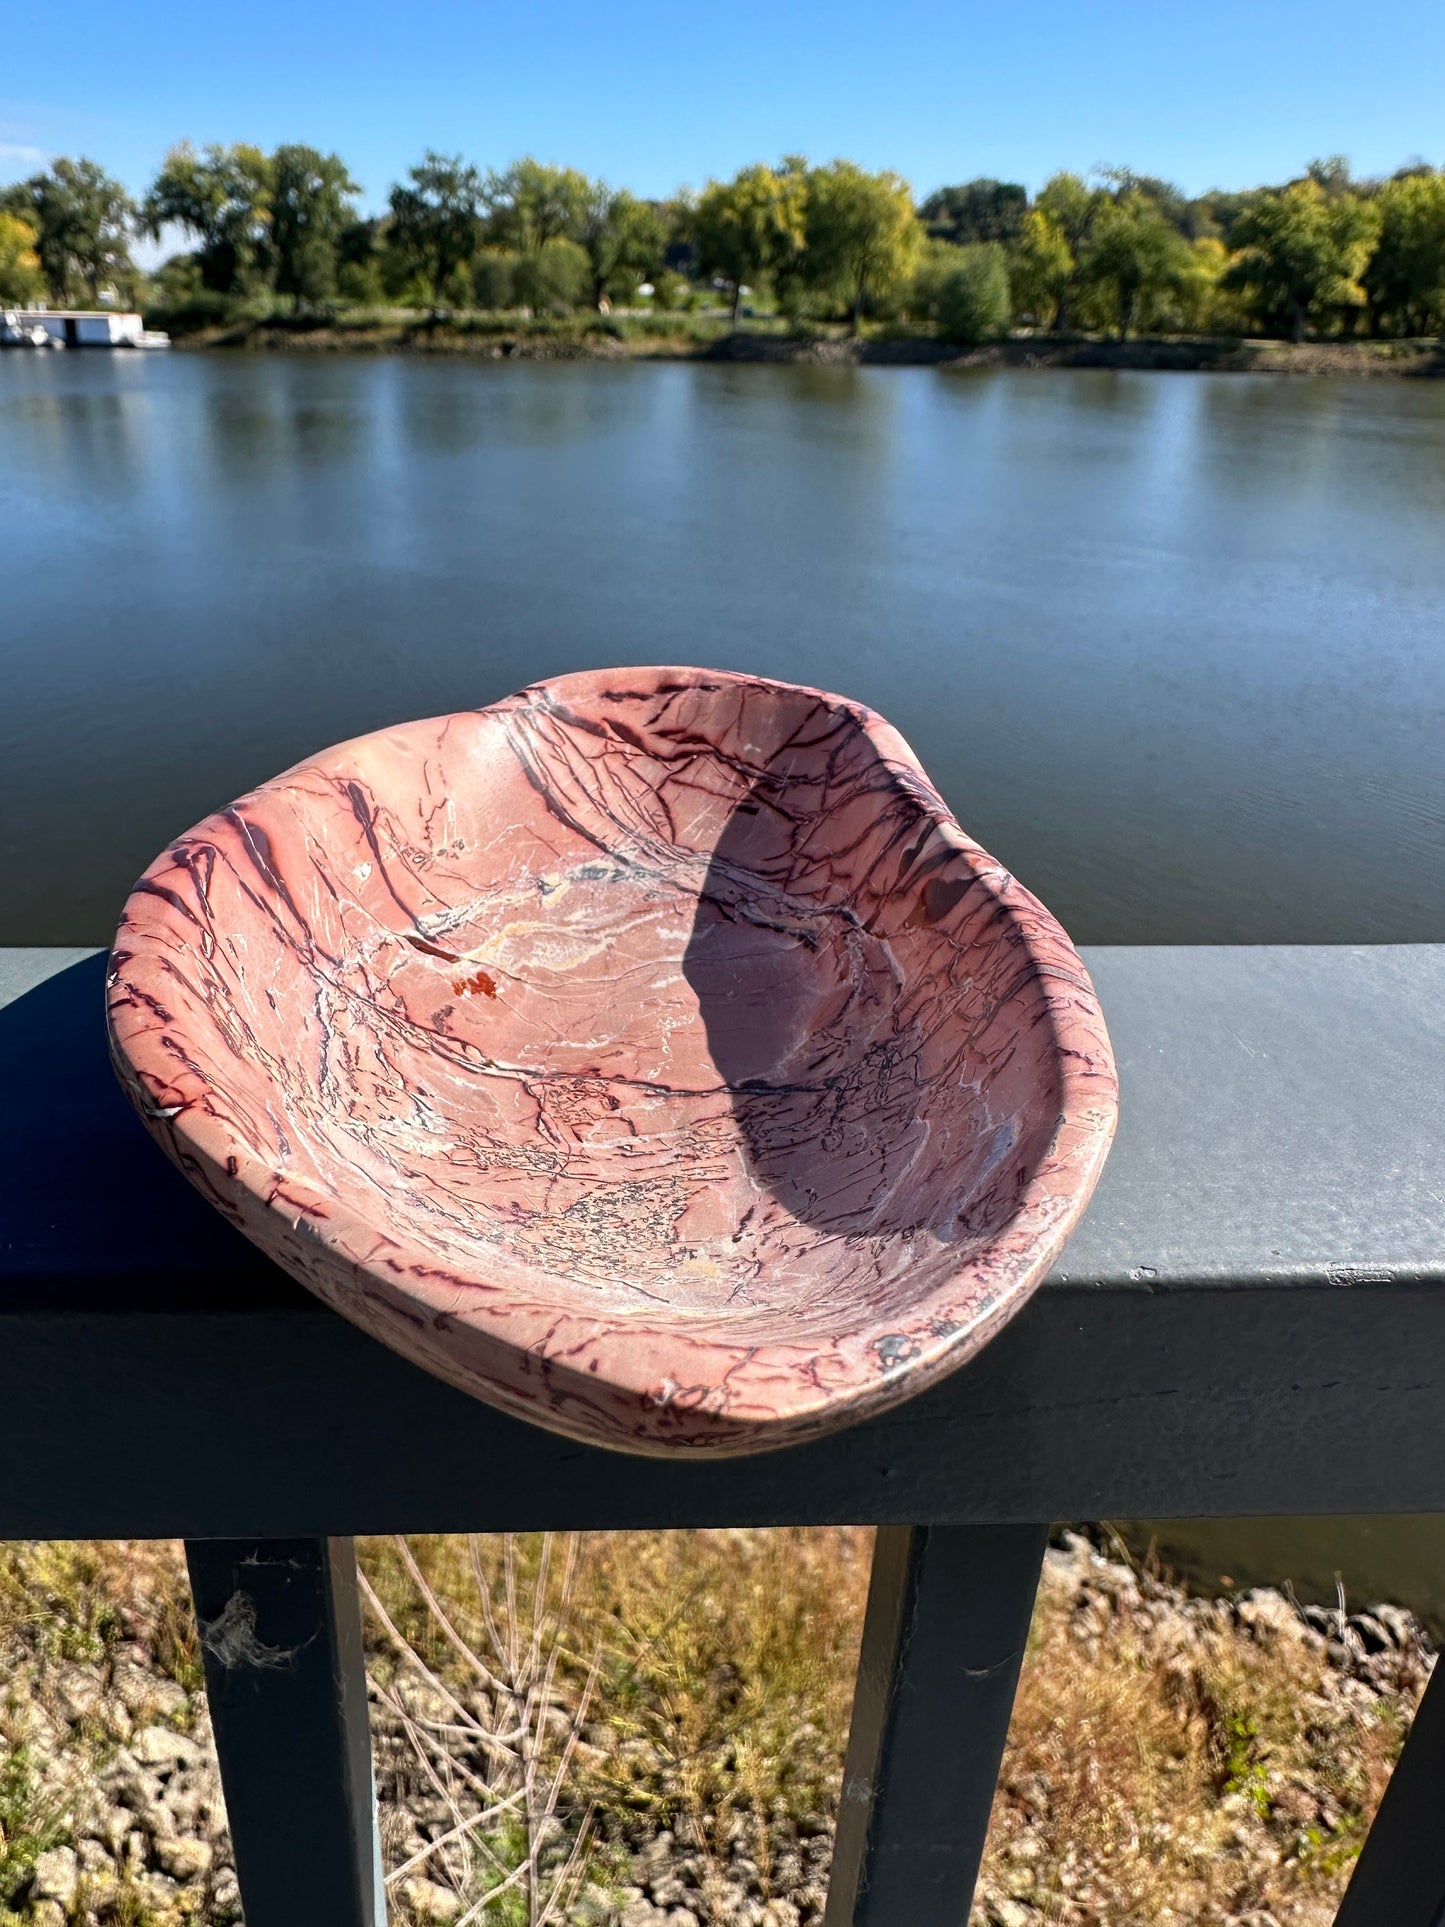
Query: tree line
{"points": [[1113, 252]]}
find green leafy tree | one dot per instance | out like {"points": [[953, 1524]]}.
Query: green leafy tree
{"points": [[678, 216], [20, 276], [1405, 280], [494, 280], [554, 278], [361, 263], [670, 291], [964, 291], [624, 239], [312, 206], [1301, 253], [862, 235], [531, 204], [222, 196], [1135, 262], [981, 210], [81, 220], [748, 229], [436, 220], [177, 298]]}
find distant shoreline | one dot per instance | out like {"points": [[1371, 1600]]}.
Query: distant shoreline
{"points": [[545, 341]]}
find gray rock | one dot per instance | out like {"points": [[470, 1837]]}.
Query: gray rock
{"points": [[727, 1907], [788, 1870], [655, 1859], [102, 1892], [160, 1746], [642, 1913], [94, 1858], [1374, 1635], [183, 1800], [428, 1901], [1268, 1615], [141, 1794], [79, 1693], [1397, 1623], [184, 1858], [113, 1825], [129, 1784], [56, 1876], [144, 1694], [116, 1720]]}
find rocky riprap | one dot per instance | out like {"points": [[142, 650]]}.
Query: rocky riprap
{"points": [[111, 1812], [113, 1768]]}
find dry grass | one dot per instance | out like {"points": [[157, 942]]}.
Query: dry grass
{"points": [[721, 1663], [78, 1599], [1203, 1762]]}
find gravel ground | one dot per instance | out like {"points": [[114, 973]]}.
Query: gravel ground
{"points": [[111, 1810]]}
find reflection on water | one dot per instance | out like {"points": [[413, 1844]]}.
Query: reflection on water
{"points": [[1170, 644]]}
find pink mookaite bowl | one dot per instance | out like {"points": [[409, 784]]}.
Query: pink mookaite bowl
{"points": [[650, 1054]]}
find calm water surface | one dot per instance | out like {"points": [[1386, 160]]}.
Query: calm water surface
{"points": [[1170, 644]]}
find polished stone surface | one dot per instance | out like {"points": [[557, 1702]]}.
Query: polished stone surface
{"points": [[650, 1054]]}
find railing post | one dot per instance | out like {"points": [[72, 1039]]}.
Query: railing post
{"points": [[280, 1628], [1399, 1878], [943, 1640]]}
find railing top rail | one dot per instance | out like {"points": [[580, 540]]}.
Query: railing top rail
{"points": [[1263, 1261]]}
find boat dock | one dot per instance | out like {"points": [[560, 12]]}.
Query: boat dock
{"points": [[76, 328]]}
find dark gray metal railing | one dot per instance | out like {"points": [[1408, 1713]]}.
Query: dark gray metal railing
{"points": [[1251, 1320]]}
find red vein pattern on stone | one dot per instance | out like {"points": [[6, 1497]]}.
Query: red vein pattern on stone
{"points": [[650, 1054]]}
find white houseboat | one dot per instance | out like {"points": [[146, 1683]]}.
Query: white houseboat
{"points": [[76, 328]]}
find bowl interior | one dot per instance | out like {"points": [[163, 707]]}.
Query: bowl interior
{"points": [[679, 999]]}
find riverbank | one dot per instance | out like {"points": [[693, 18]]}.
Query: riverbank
{"points": [[1171, 1758], [690, 338]]}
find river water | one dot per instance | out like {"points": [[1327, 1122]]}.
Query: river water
{"points": [[1170, 644]]}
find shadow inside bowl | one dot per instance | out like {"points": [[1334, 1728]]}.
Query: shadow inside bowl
{"points": [[883, 1082]]}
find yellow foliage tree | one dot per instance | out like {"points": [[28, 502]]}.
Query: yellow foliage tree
{"points": [[1042, 268], [20, 275], [1406, 278], [1301, 253], [748, 228], [863, 237]]}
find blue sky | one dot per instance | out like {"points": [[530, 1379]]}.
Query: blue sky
{"points": [[650, 95]]}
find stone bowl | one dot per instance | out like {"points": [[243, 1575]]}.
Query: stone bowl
{"points": [[650, 1054]]}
